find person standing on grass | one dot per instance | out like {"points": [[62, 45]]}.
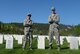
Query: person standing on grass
{"points": [[54, 28], [27, 32]]}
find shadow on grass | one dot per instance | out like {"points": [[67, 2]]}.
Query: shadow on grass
{"points": [[64, 48], [34, 47], [17, 47], [47, 47]]}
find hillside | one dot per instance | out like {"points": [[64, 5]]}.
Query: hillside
{"points": [[38, 28]]}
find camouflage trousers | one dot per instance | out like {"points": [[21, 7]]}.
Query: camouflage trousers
{"points": [[55, 32], [27, 38]]}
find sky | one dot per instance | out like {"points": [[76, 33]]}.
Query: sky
{"points": [[17, 10]]}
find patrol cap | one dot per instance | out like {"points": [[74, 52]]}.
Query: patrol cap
{"points": [[29, 14], [52, 9]]}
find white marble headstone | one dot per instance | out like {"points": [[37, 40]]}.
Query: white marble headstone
{"points": [[41, 42], [68, 39], [5, 37], [16, 37], [20, 39], [9, 42], [62, 39], [1, 39], [79, 40], [74, 43], [35, 36]]}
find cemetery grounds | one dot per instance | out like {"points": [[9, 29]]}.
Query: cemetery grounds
{"points": [[17, 49]]}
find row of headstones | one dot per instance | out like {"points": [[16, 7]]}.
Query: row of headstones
{"points": [[9, 40], [74, 41]]}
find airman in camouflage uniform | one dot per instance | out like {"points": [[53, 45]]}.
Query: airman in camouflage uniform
{"points": [[54, 28], [27, 32]]}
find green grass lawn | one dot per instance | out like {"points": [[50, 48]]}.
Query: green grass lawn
{"points": [[18, 49]]}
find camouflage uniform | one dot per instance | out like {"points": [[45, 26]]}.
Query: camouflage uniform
{"points": [[54, 29], [27, 32]]}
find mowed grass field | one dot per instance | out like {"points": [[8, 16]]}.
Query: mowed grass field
{"points": [[17, 49]]}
